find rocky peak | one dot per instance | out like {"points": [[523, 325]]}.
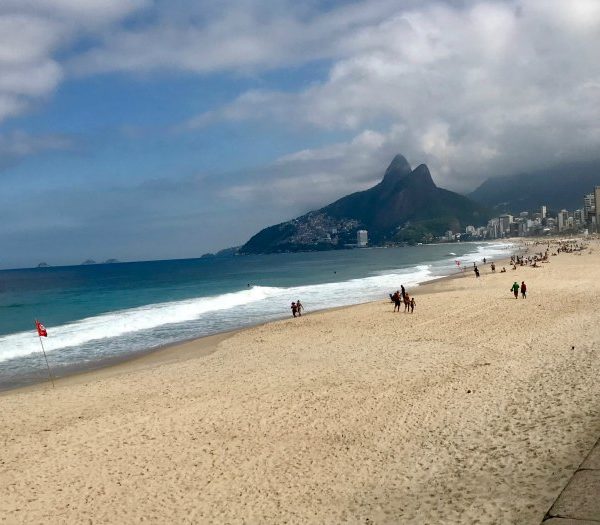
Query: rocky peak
{"points": [[422, 177], [397, 170]]}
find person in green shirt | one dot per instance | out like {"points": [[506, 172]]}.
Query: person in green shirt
{"points": [[515, 289]]}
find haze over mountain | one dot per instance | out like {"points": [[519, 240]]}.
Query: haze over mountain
{"points": [[406, 206], [557, 187]]}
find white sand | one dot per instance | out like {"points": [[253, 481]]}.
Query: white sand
{"points": [[353, 415]]}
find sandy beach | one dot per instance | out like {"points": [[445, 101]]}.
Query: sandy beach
{"points": [[477, 408]]}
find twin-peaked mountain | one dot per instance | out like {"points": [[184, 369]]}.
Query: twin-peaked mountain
{"points": [[406, 206]]}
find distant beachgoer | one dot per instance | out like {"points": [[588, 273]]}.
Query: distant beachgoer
{"points": [[523, 290], [403, 291], [406, 303], [476, 271], [493, 268], [515, 289], [503, 270], [294, 309], [412, 305], [484, 261], [299, 307], [396, 298]]}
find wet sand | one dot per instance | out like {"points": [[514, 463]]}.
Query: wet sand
{"points": [[474, 409]]}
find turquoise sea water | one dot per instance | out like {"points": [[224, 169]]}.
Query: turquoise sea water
{"points": [[101, 312]]}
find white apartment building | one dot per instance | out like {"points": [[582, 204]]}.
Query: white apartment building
{"points": [[505, 222], [362, 238], [563, 220]]}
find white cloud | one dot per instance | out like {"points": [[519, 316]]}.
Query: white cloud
{"points": [[16, 145], [33, 32], [478, 89], [472, 87], [233, 36]]}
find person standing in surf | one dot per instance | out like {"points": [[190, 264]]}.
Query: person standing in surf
{"points": [[299, 307]]}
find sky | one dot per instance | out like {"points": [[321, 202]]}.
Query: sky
{"points": [[159, 129]]}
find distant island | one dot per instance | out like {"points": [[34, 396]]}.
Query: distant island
{"points": [[111, 261], [226, 252], [88, 261], [406, 207], [43, 265]]}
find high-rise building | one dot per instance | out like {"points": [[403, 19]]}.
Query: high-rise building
{"points": [[362, 238], [597, 203], [505, 222], [563, 218], [543, 211], [589, 206]]}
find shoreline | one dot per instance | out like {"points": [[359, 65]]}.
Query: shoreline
{"points": [[182, 350]]}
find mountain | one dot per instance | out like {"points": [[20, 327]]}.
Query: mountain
{"points": [[406, 206], [558, 187]]}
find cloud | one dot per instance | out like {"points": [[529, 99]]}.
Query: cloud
{"points": [[478, 88], [17, 144], [34, 32], [232, 36]]}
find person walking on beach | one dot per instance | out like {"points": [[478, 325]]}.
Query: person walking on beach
{"points": [[294, 309], [515, 289], [523, 290], [396, 299], [412, 305], [299, 307], [402, 293], [476, 270], [406, 303]]}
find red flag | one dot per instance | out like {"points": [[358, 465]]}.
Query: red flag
{"points": [[41, 329]]}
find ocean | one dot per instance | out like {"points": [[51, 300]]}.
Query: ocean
{"points": [[97, 314]]}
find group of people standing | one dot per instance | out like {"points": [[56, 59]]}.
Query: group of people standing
{"points": [[297, 308], [401, 297]]}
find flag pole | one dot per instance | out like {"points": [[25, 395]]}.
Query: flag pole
{"points": [[45, 357]]}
